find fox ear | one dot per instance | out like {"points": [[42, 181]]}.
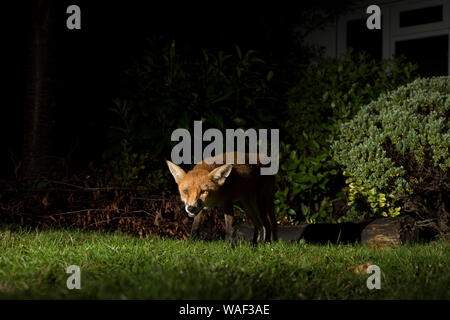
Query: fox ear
{"points": [[176, 171], [218, 175]]}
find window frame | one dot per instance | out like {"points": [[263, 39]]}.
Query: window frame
{"points": [[421, 31], [420, 28]]}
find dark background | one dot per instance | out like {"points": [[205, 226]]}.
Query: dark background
{"points": [[69, 135], [90, 61]]}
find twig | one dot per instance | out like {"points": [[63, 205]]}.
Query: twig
{"points": [[90, 188], [102, 210], [107, 220]]}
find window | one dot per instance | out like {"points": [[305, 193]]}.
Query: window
{"points": [[360, 38], [421, 16], [431, 54]]}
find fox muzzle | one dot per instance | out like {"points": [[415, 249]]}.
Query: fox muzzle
{"points": [[192, 210]]}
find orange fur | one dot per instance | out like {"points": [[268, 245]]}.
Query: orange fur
{"points": [[219, 185]]}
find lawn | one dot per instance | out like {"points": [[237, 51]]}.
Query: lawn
{"points": [[120, 266]]}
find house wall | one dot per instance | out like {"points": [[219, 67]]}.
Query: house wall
{"points": [[334, 41]]}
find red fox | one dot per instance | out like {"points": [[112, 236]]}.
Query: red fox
{"points": [[218, 185]]}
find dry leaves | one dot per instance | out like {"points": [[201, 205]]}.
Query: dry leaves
{"points": [[379, 245], [103, 208], [359, 269]]}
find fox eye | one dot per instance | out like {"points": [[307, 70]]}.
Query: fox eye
{"points": [[185, 192]]}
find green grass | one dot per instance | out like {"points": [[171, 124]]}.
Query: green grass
{"points": [[119, 266]]}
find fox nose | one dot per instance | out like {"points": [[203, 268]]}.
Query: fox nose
{"points": [[191, 209]]}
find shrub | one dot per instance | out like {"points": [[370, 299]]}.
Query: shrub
{"points": [[310, 181], [395, 152], [169, 87], [131, 169]]}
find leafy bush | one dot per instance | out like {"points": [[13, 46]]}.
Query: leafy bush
{"points": [[131, 169], [332, 91], [302, 186], [170, 87], [396, 149]]}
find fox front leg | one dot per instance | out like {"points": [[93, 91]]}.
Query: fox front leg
{"points": [[259, 234], [198, 220], [229, 227]]}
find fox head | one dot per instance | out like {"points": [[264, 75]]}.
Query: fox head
{"points": [[198, 187]]}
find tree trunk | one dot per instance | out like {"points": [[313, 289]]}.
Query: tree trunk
{"points": [[38, 144]]}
